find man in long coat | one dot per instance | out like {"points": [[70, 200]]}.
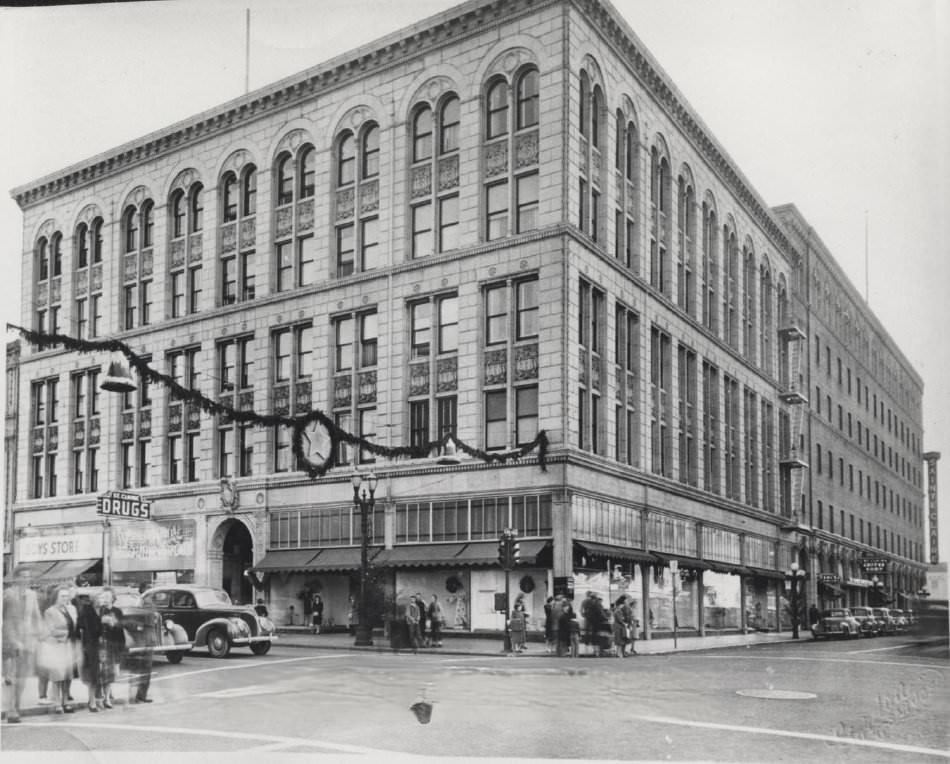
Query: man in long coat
{"points": [[22, 629]]}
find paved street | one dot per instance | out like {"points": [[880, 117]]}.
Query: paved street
{"points": [[874, 700]]}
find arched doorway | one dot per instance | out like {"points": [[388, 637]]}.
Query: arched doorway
{"points": [[237, 554]]}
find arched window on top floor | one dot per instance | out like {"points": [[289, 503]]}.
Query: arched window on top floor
{"points": [[730, 323], [294, 242], [766, 324], [197, 211], [709, 270], [138, 227], [186, 209], [229, 197], [686, 245], [749, 281], [178, 213], [87, 283], [661, 222], [511, 189], [42, 259], [308, 167], [284, 179], [356, 200], [626, 213], [434, 205], [235, 278], [592, 178]]}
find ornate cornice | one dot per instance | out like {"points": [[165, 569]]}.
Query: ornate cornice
{"points": [[391, 50], [605, 19]]}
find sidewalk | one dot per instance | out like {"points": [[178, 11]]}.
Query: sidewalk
{"points": [[490, 644], [487, 645]]}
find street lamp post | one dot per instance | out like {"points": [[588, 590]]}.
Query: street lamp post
{"points": [[877, 590], [364, 498], [794, 577]]}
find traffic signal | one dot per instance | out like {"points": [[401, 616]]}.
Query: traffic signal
{"points": [[515, 551], [504, 552]]}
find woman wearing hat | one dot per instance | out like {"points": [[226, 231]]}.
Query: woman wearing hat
{"points": [[56, 651]]}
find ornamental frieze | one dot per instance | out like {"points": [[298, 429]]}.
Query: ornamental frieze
{"points": [[292, 141], [195, 248], [248, 237], [367, 387], [303, 401], [284, 223], [496, 367], [228, 238], [177, 253], [128, 425], [89, 213], [174, 417], [421, 181], [526, 362], [345, 201], [281, 395], [447, 374], [305, 215], [236, 161], [131, 267], [46, 230], [369, 197], [496, 159], [342, 390], [184, 180], [419, 378], [526, 149], [449, 172], [512, 60], [146, 263]]}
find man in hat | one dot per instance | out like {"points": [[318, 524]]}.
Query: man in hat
{"points": [[22, 629]]}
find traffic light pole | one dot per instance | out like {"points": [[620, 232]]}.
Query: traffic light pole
{"points": [[508, 553], [507, 646]]}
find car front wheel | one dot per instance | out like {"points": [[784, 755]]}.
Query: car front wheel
{"points": [[260, 648], [174, 657], [218, 644]]}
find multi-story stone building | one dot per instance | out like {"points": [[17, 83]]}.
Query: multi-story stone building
{"points": [[502, 221]]}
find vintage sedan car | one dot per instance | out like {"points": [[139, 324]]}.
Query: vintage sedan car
{"points": [[884, 615], [836, 622], [145, 629], [210, 619], [870, 625], [900, 620]]}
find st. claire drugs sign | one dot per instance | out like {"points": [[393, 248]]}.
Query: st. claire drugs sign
{"points": [[121, 504]]}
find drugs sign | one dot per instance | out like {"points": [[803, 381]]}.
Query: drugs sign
{"points": [[120, 504]]}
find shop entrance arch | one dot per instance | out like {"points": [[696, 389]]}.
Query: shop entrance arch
{"points": [[237, 555]]}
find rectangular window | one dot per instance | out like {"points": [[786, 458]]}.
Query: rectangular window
{"points": [[178, 295], [496, 206], [420, 329], [528, 304], [496, 314], [285, 266], [369, 244], [306, 254], [661, 415], [228, 280], [496, 419], [418, 423], [447, 411], [686, 367], [131, 304], [367, 432], [710, 427], [448, 223], [345, 250], [526, 414], [527, 202], [422, 233], [194, 289]]}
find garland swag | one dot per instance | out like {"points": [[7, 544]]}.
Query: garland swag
{"points": [[297, 423]]}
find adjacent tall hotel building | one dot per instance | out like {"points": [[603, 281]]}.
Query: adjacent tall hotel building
{"points": [[502, 220]]}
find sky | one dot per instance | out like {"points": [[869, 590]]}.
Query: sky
{"points": [[841, 107]]}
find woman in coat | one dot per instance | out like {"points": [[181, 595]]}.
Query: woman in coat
{"points": [[111, 643], [90, 630], [621, 627], [519, 627], [56, 652]]}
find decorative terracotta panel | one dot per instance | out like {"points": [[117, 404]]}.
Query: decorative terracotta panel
{"points": [[145, 423], [177, 253], [369, 197], [228, 238], [195, 247], [174, 417], [248, 237], [284, 223], [128, 425], [447, 374], [367, 387], [526, 149], [82, 283], [345, 201], [526, 362], [496, 159], [496, 367], [147, 263], [79, 433], [281, 400], [421, 182], [56, 290], [342, 391], [97, 278], [94, 432], [41, 294], [582, 365], [39, 439], [305, 215], [303, 400], [449, 172], [131, 266], [419, 378]]}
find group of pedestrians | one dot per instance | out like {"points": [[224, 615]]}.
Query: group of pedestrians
{"points": [[608, 631], [71, 638], [421, 623]]}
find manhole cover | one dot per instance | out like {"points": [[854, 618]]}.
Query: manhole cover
{"points": [[777, 694]]}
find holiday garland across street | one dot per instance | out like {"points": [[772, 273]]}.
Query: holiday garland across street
{"points": [[297, 423]]}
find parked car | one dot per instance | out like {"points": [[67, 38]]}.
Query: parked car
{"points": [[870, 625], [911, 617], [900, 621], [211, 620], [890, 623], [837, 622], [144, 626]]}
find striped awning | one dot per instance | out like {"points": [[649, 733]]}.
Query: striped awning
{"points": [[486, 552], [418, 556], [684, 562], [285, 560], [615, 552]]}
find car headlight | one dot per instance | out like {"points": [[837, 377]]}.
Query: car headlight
{"points": [[169, 624], [238, 626]]}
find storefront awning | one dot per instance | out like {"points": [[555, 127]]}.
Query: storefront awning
{"points": [[831, 591], [66, 570], [684, 562], [775, 575], [34, 569], [286, 560], [486, 552], [616, 552], [339, 558], [418, 556], [729, 567]]}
